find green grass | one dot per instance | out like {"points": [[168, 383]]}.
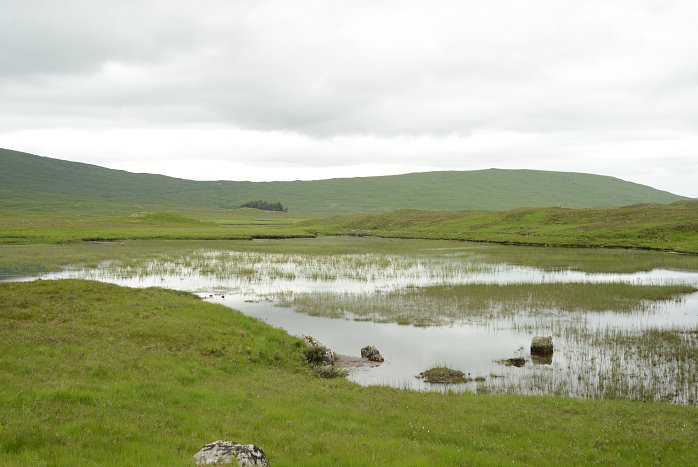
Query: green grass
{"points": [[445, 304], [444, 375], [671, 227], [96, 374], [140, 225], [26, 179], [598, 260]]}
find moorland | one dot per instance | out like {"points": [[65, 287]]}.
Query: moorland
{"points": [[103, 374]]}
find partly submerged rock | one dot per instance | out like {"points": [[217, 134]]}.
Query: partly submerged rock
{"points": [[541, 345], [228, 452], [372, 354], [317, 353]]}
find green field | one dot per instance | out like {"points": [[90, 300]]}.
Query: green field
{"points": [[672, 227], [94, 374]]}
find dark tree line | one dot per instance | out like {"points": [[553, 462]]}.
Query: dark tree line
{"points": [[267, 206]]}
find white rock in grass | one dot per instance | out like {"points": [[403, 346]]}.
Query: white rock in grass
{"points": [[228, 452]]}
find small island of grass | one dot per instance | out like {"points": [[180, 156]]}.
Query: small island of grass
{"points": [[444, 375]]}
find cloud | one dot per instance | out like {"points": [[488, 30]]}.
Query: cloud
{"points": [[445, 84]]}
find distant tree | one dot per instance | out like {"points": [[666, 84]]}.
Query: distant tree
{"points": [[265, 205]]}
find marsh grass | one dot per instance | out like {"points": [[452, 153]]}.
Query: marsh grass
{"points": [[327, 257], [614, 363], [26, 259], [603, 361], [444, 375], [438, 305]]}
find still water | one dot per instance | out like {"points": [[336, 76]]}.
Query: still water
{"points": [[597, 353]]}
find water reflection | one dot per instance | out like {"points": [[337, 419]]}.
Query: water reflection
{"points": [[597, 354]]}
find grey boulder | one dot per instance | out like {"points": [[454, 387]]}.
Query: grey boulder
{"points": [[228, 452]]}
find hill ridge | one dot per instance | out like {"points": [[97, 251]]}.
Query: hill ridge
{"points": [[492, 189]]}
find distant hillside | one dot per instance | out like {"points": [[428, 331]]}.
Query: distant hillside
{"points": [[26, 176]]}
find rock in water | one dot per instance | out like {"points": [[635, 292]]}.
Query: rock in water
{"points": [[372, 354], [228, 452], [541, 345]]}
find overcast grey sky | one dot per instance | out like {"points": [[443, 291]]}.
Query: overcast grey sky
{"points": [[284, 90]]}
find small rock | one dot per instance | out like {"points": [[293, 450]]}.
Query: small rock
{"points": [[228, 452], [541, 345], [372, 354]]}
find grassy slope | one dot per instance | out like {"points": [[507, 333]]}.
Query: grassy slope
{"points": [[671, 227], [95, 374], [26, 180]]}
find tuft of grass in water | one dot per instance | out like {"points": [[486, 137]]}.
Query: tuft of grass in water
{"points": [[444, 375]]}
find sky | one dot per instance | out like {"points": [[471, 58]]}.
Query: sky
{"points": [[299, 90]]}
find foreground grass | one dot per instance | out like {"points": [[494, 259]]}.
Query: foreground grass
{"points": [[103, 375], [672, 227]]}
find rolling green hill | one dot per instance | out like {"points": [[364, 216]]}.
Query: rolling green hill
{"points": [[27, 179]]}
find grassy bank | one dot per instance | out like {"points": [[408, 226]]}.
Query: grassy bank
{"points": [[671, 227], [156, 225], [103, 375]]}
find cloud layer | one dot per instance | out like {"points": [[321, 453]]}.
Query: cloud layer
{"points": [[312, 89]]}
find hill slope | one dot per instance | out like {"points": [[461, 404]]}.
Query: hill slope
{"points": [[25, 175]]}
